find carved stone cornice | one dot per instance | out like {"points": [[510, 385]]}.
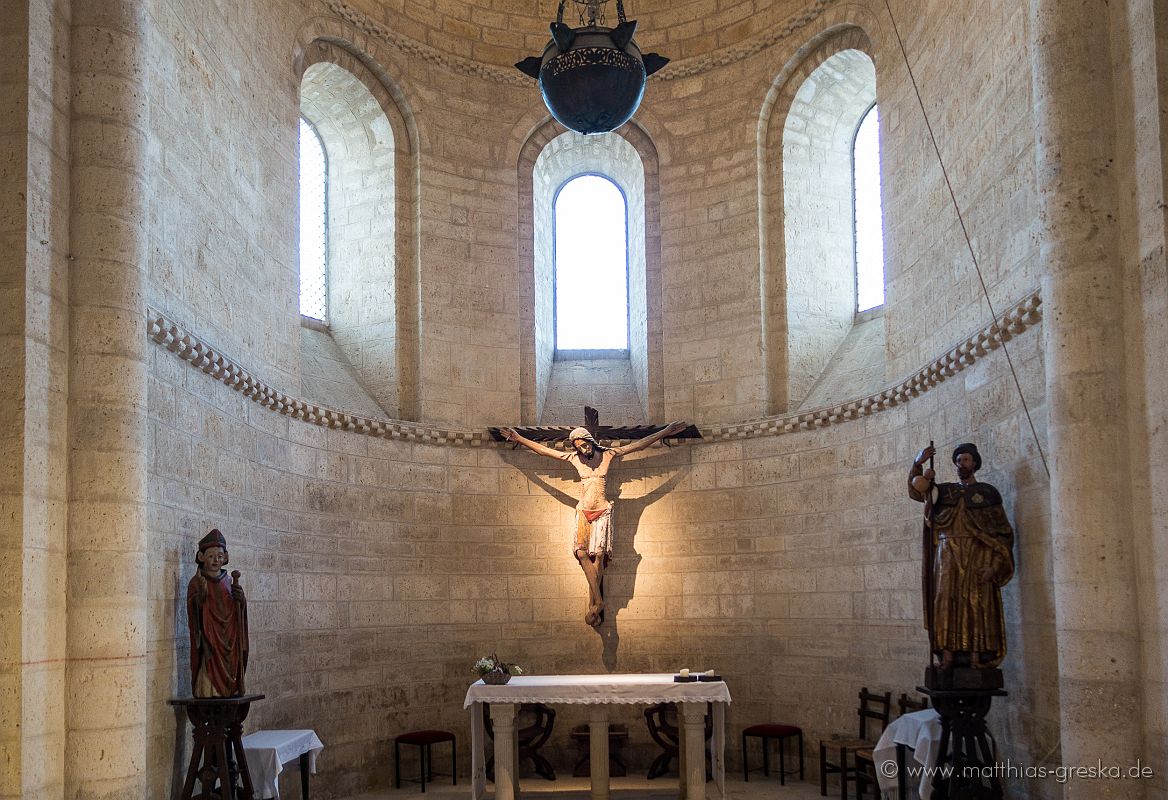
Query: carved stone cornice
{"points": [[201, 355], [1022, 315], [511, 77], [187, 346]]}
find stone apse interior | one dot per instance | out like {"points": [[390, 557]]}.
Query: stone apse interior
{"points": [[160, 381]]}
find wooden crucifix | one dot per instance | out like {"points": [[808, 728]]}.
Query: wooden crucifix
{"points": [[593, 528]]}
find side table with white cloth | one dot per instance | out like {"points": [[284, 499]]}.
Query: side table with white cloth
{"points": [[598, 691], [921, 731], [268, 751]]}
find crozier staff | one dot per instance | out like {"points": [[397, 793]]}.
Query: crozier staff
{"points": [[593, 530]]}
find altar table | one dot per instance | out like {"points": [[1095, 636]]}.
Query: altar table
{"points": [[267, 753], [598, 691], [921, 731]]}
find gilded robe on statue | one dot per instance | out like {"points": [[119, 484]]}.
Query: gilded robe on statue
{"points": [[968, 557]]}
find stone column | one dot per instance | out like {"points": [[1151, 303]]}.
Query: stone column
{"points": [[598, 751], [1094, 579], [693, 719], [506, 751], [14, 146], [107, 621]]}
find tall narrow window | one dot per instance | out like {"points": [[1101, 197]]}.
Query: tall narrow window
{"points": [[591, 266], [869, 229], [313, 224]]}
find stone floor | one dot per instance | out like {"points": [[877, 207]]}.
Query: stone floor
{"points": [[759, 788]]}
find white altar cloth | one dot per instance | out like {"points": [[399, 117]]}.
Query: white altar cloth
{"points": [[268, 751], [920, 730], [598, 690]]}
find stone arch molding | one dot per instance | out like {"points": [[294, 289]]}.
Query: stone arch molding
{"points": [[373, 146], [807, 309], [629, 157]]}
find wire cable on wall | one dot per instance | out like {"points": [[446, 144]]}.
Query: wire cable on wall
{"points": [[965, 232]]}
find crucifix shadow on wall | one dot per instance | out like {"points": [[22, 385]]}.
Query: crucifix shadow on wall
{"points": [[621, 578], [604, 539]]}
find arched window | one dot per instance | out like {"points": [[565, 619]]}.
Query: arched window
{"points": [[313, 224], [830, 232], [591, 265], [349, 203], [869, 229], [592, 328]]}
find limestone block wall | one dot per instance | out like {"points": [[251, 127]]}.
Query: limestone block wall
{"points": [[702, 117], [986, 141], [361, 231], [34, 242], [14, 92], [1141, 154], [819, 214], [606, 384], [379, 569], [222, 165]]}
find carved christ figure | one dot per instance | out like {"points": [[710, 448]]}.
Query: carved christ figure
{"points": [[593, 528]]}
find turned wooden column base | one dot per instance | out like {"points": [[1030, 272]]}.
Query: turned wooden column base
{"points": [[217, 760]]}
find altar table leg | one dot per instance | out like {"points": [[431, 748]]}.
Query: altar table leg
{"points": [[694, 722], [598, 751], [506, 751], [718, 744], [681, 781], [478, 768]]}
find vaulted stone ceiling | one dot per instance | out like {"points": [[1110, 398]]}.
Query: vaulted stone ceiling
{"points": [[501, 32]]}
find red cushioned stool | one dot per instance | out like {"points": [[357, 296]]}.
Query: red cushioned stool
{"points": [[766, 733], [424, 740]]}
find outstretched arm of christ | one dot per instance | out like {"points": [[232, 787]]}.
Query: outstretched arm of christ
{"points": [[511, 435], [671, 429]]}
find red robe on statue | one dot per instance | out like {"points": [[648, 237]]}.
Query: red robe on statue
{"points": [[218, 625]]}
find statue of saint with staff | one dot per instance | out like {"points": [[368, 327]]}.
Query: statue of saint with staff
{"points": [[968, 557]]}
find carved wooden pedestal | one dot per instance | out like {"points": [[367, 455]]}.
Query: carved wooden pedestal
{"points": [[965, 745], [217, 759]]}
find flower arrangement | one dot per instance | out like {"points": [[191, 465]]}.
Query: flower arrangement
{"points": [[492, 670]]}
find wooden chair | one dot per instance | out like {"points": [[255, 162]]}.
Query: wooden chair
{"points": [[874, 707], [662, 722], [866, 764], [534, 722]]}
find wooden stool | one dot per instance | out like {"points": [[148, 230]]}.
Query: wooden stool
{"points": [[424, 740], [766, 733]]}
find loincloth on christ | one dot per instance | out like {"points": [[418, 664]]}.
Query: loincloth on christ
{"points": [[594, 531]]}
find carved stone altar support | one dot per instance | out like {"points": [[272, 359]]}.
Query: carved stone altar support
{"points": [[691, 768], [506, 752], [598, 747], [966, 745], [218, 752]]}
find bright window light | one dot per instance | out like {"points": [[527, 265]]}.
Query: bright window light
{"points": [[591, 257], [869, 229], [313, 225]]}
